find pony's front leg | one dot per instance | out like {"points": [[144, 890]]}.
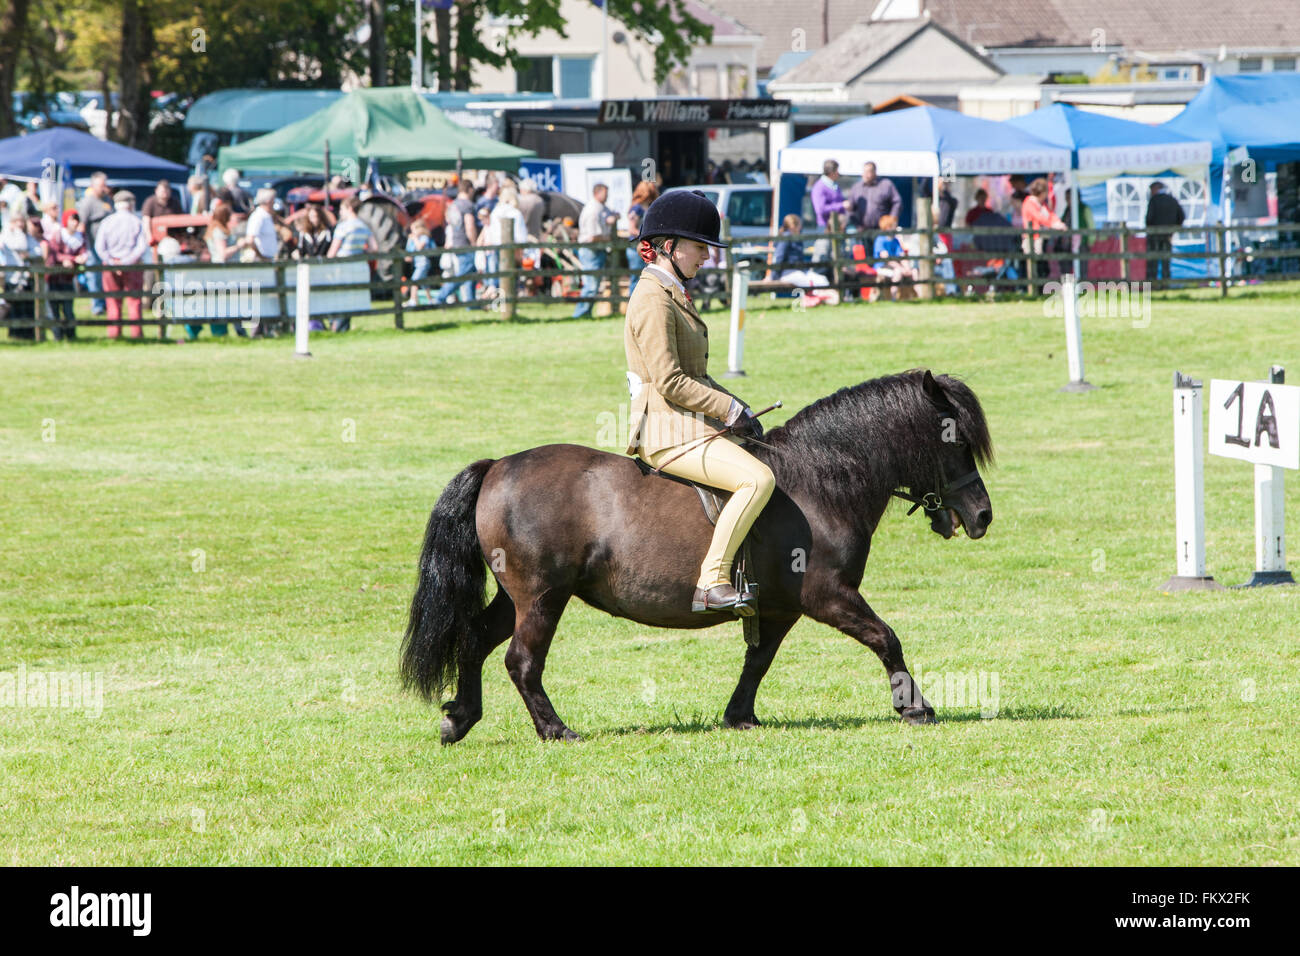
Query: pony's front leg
{"points": [[846, 610], [740, 709]]}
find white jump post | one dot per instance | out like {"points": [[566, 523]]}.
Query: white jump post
{"points": [[302, 312], [1073, 335], [739, 299], [1259, 422], [1189, 490], [1270, 517]]}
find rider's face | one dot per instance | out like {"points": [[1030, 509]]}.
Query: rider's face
{"points": [[689, 255]]}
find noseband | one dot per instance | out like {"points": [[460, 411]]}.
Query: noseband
{"points": [[933, 501]]}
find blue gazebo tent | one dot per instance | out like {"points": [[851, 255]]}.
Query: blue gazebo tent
{"points": [[1103, 147], [1255, 116], [921, 141], [36, 155], [925, 141]]}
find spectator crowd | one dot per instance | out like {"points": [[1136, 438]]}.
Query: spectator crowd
{"points": [[454, 245]]}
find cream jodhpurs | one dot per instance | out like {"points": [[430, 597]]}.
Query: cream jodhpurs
{"points": [[722, 463]]}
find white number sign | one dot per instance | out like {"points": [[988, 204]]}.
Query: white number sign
{"points": [[1255, 421]]}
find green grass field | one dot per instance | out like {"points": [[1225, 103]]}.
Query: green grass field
{"points": [[229, 536]]}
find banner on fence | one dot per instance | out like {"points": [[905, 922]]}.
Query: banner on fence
{"points": [[240, 291]]}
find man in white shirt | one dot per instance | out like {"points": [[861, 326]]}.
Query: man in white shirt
{"points": [[593, 226], [259, 232]]}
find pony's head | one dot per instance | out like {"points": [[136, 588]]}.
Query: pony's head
{"points": [[950, 489]]}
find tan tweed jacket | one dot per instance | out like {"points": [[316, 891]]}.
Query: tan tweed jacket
{"points": [[667, 345]]}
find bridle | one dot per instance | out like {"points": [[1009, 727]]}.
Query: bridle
{"points": [[933, 501]]}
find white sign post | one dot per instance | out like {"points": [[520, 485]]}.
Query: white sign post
{"points": [[739, 299], [1073, 335], [1189, 490], [302, 310], [1259, 422]]}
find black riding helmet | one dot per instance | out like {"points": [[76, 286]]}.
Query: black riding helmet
{"points": [[683, 214]]}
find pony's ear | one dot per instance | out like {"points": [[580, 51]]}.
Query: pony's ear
{"points": [[932, 388]]}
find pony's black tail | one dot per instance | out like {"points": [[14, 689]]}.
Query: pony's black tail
{"points": [[451, 588]]}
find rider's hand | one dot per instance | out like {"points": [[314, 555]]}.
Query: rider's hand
{"points": [[748, 426]]}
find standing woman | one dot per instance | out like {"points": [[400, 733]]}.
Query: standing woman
{"points": [[676, 406]]}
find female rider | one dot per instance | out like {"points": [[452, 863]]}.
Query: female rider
{"points": [[676, 406]]}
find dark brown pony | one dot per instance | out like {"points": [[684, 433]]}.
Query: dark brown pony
{"points": [[560, 521]]}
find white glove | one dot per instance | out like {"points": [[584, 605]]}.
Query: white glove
{"points": [[733, 414]]}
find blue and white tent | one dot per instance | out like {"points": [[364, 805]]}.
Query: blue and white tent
{"points": [[39, 155], [1102, 147], [925, 141]]}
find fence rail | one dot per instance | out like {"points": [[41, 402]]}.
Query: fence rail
{"points": [[1229, 254]]}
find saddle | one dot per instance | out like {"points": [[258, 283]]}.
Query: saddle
{"points": [[713, 500]]}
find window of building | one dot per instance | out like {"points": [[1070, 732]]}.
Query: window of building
{"points": [[1186, 73], [575, 76], [737, 82], [750, 208], [564, 76], [706, 82], [537, 76], [1250, 64], [1284, 64]]}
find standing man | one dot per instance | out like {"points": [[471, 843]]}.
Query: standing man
{"points": [[122, 241], [163, 202], [462, 233], [593, 226], [352, 237], [93, 209], [827, 202], [259, 231], [239, 200], [870, 198], [531, 208], [12, 201], [530, 204], [200, 194], [1162, 210]]}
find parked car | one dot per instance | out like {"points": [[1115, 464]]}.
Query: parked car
{"points": [[35, 113], [747, 209]]}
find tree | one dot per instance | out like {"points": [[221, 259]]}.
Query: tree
{"points": [[463, 40], [13, 27]]}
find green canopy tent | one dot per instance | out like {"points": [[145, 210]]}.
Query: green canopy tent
{"points": [[398, 129]]}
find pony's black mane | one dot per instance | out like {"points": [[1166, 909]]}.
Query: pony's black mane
{"points": [[852, 448]]}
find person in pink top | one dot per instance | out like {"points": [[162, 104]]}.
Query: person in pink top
{"points": [[1038, 215]]}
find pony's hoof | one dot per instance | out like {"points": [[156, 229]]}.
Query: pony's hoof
{"points": [[450, 732], [742, 723], [919, 716], [563, 733]]}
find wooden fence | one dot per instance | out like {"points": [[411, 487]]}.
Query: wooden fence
{"points": [[1102, 254]]}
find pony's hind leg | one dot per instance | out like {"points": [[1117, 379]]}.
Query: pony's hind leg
{"points": [[535, 624], [493, 627]]}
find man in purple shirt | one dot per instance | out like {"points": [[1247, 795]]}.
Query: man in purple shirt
{"points": [[826, 196], [870, 198], [827, 201], [121, 241]]}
